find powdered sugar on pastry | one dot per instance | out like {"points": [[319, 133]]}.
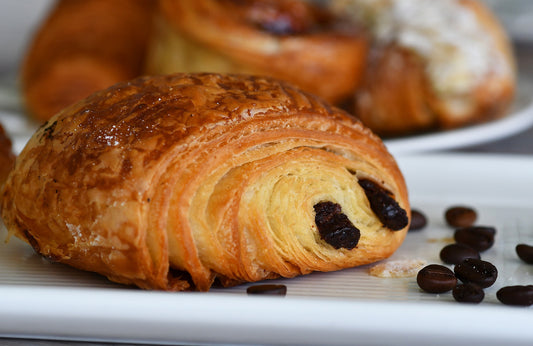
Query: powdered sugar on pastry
{"points": [[459, 54], [398, 268]]}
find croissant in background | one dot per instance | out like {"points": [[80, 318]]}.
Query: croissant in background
{"points": [[7, 156], [402, 66], [433, 65], [292, 40], [175, 182], [82, 47]]}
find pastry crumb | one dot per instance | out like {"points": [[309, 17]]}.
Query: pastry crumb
{"points": [[397, 268]]}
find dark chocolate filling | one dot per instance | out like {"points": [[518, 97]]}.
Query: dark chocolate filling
{"points": [[384, 206], [334, 227]]}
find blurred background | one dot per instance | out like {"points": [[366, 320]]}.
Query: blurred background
{"points": [[18, 20], [517, 16]]}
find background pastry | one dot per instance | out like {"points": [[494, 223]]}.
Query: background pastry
{"points": [[173, 182], [7, 157], [292, 40], [433, 64], [82, 47]]}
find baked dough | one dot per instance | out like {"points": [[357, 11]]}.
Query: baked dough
{"points": [[433, 65], [173, 182], [81, 47], [292, 40], [7, 157]]}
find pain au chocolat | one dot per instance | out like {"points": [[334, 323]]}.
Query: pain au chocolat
{"points": [[175, 182]]}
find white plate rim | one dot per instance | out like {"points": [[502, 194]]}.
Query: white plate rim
{"points": [[519, 119], [123, 315], [196, 318]]}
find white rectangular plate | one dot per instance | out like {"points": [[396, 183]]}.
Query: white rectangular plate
{"points": [[39, 299]]}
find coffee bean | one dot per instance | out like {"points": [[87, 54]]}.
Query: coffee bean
{"points": [[418, 220], [384, 206], [460, 216], [436, 278], [476, 271], [457, 253], [480, 238], [335, 227], [516, 295], [280, 290], [468, 293], [525, 252]]}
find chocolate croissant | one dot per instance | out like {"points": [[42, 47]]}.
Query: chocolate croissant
{"points": [[433, 65], [175, 182], [293, 40]]}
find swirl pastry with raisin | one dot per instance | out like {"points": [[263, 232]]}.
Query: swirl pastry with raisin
{"points": [[292, 40]]}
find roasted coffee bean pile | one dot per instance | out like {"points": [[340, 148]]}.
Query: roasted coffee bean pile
{"points": [[471, 275]]}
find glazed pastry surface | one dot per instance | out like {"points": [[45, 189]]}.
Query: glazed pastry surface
{"points": [[175, 182], [291, 40], [433, 65]]}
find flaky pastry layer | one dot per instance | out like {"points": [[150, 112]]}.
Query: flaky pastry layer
{"points": [[174, 182]]}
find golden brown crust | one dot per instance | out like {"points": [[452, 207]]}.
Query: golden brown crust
{"points": [[393, 97], [170, 182], [82, 47], [400, 96], [7, 157], [288, 39]]}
